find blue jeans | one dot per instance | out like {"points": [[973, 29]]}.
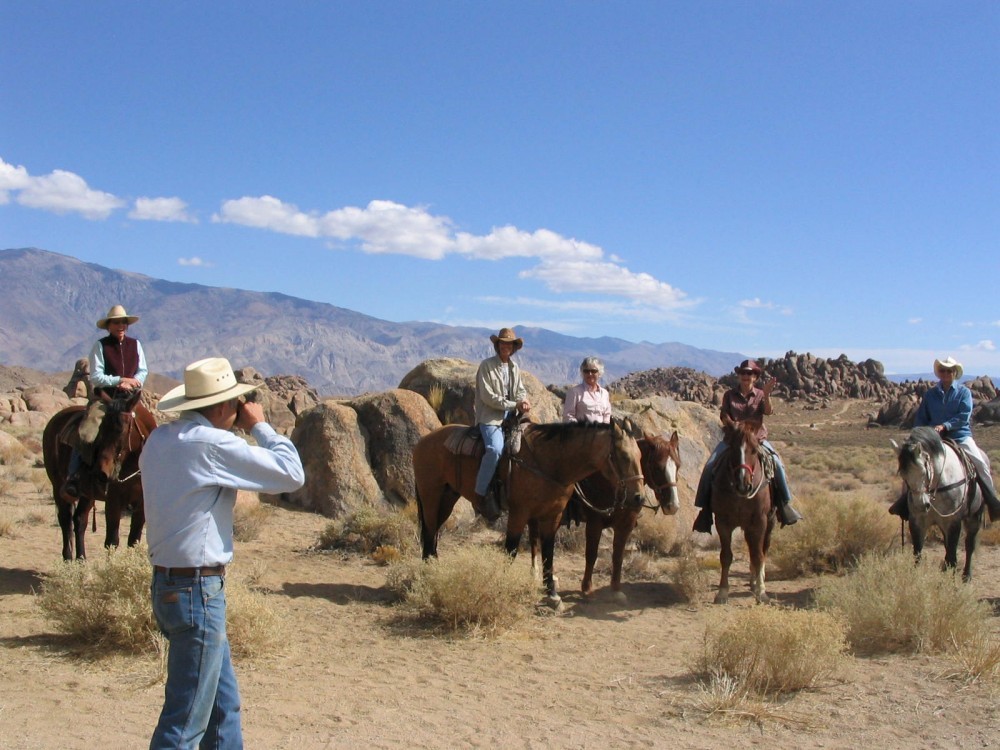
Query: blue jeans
{"points": [[493, 440], [201, 707], [782, 494]]}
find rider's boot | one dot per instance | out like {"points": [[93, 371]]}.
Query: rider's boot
{"points": [[990, 498], [703, 523], [901, 507], [787, 514], [487, 505], [71, 487]]}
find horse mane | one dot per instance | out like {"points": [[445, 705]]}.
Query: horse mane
{"points": [[925, 439], [740, 432], [562, 431]]}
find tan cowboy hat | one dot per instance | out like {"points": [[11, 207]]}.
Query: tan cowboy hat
{"points": [[948, 364], [206, 382], [507, 335], [117, 313]]}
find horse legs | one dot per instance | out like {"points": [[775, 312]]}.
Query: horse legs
{"points": [[916, 538], [80, 517], [951, 546], [725, 560], [593, 536], [432, 516], [623, 527], [136, 524], [112, 522], [971, 538], [755, 544], [64, 512], [533, 543]]}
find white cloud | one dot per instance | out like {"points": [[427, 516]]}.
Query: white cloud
{"points": [[758, 304], [64, 192], [161, 209], [11, 178], [268, 212], [608, 278], [914, 321], [986, 345], [194, 261]]}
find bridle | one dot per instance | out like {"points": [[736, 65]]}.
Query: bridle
{"points": [[932, 475], [125, 447]]}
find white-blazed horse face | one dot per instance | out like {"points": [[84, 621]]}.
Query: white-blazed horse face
{"points": [[915, 470]]}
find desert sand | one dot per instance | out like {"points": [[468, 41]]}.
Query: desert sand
{"points": [[354, 673]]}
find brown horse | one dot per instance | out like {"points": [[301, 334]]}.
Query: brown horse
{"points": [[601, 509], [539, 479], [112, 477], [741, 498]]}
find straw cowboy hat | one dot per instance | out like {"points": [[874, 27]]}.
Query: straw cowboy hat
{"points": [[206, 382], [117, 313], [507, 335], [949, 364], [747, 365]]}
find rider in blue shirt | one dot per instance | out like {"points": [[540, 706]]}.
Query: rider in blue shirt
{"points": [[947, 407]]}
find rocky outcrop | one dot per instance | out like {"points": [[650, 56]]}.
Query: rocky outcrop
{"points": [[392, 423], [339, 479], [449, 385], [683, 383], [283, 397]]}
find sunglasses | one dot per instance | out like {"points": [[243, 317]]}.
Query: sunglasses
{"points": [[117, 322], [590, 372]]}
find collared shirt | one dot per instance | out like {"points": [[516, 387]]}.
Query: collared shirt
{"points": [[497, 391], [190, 474], [740, 408], [101, 378], [585, 405], [953, 409]]}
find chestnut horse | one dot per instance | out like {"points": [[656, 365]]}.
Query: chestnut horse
{"points": [[601, 509], [112, 477], [539, 480], [741, 498]]}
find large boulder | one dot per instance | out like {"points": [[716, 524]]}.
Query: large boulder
{"points": [[283, 397], [392, 422], [449, 385], [45, 398], [339, 479]]}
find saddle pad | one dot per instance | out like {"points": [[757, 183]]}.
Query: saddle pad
{"points": [[467, 442], [68, 434]]}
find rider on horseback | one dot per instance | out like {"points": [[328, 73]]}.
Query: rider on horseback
{"points": [[117, 363], [746, 403], [947, 407], [499, 389]]}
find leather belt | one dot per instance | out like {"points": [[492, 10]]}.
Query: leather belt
{"points": [[213, 570]]}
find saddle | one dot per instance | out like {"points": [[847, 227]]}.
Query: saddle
{"points": [[469, 442]]}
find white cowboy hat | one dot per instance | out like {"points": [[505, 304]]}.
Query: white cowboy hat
{"points": [[948, 364], [117, 313], [206, 382]]}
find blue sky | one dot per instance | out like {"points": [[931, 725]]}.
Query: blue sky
{"points": [[741, 176]]}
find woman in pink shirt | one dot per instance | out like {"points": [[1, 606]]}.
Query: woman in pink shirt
{"points": [[588, 401]]}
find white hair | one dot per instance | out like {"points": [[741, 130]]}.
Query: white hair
{"points": [[592, 363]]}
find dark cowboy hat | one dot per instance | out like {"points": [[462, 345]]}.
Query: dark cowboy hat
{"points": [[507, 335], [747, 365]]}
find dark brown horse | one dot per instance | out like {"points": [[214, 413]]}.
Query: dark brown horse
{"points": [[113, 475], [741, 498], [539, 480], [602, 508]]}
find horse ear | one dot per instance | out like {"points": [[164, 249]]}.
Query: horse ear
{"points": [[895, 446], [675, 438]]}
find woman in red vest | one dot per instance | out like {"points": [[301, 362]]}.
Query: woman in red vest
{"points": [[117, 360]]}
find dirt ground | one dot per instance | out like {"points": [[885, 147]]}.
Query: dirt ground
{"points": [[601, 673]]}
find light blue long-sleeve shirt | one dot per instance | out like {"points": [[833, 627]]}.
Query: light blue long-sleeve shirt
{"points": [[190, 474], [953, 409], [99, 378]]}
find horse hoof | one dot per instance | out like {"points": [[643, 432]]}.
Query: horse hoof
{"points": [[554, 601], [619, 596], [722, 597], [763, 599]]}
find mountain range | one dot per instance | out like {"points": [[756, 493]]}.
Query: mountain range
{"points": [[51, 303]]}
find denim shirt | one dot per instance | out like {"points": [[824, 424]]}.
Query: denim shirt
{"points": [[952, 409], [191, 471]]}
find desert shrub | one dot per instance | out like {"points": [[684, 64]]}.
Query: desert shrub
{"points": [[689, 574], [658, 534], [723, 697], [12, 453], [435, 397], [990, 535], [769, 650], [104, 604], [402, 574], [473, 589], [248, 520], [368, 529], [892, 605], [572, 538], [837, 530], [977, 659], [8, 526]]}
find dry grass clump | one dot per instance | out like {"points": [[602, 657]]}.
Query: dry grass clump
{"points": [[723, 697], [770, 651], [104, 604], [837, 530], [474, 589], [977, 659], [658, 534], [891, 605], [989, 535], [8, 526], [368, 530], [689, 574], [248, 520]]}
